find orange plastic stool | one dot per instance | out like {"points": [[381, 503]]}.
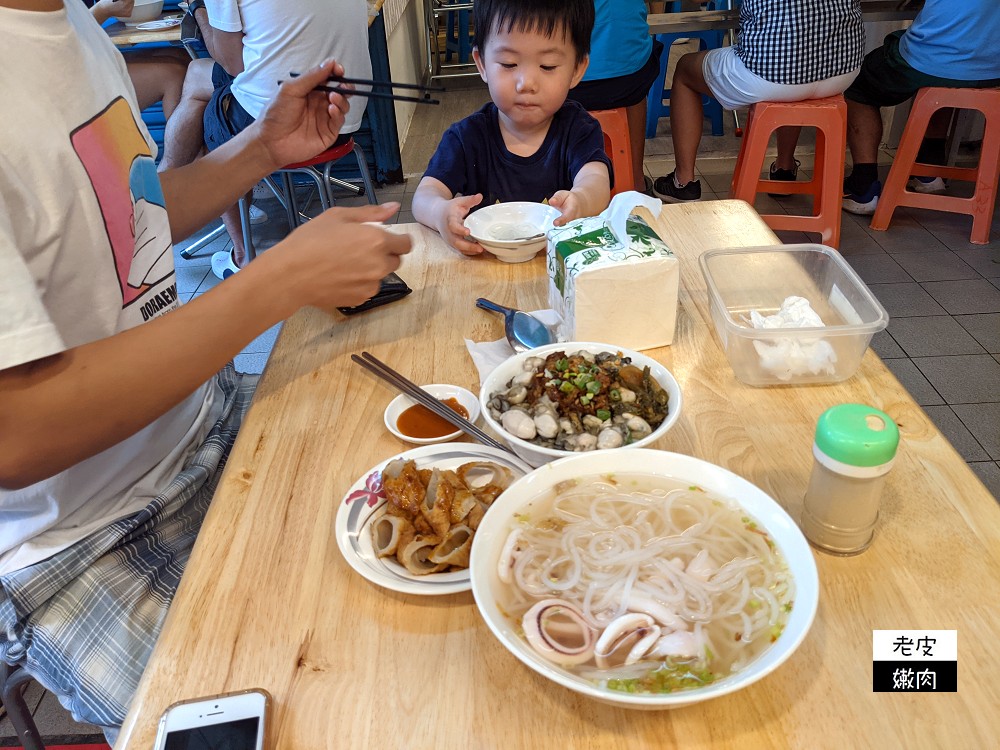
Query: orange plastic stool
{"points": [[980, 205], [829, 117], [614, 123]]}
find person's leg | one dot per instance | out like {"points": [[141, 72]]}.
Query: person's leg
{"points": [[183, 138], [864, 133], [637, 135], [231, 220], [157, 80], [687, 114], [788, 138]]}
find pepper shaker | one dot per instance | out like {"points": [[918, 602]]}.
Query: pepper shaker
{"points": [[854, 448]]}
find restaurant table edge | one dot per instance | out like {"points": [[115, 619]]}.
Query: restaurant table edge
{"points": [[267, 599]]}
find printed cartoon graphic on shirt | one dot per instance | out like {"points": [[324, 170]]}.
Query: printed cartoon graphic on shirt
{"points": [[123, 175]]}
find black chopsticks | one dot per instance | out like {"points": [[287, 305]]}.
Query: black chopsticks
{"points": [[425, 99], [394, 378]]}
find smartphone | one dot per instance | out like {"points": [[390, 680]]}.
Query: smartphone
{"points": [[234, 721], [390, 289]]}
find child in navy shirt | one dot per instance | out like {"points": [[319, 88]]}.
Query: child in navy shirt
{"points": [[528, 143]]}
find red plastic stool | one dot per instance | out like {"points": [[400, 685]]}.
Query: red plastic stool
{"points": [[618, 144], [322, 180], [829, 117], [980, 205]]}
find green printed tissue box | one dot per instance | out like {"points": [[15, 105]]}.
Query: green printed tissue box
{"points": [[612, 291]]}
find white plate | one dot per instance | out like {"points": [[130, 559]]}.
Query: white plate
{"points": [[163, 23], [364, 501], [402, 402]]}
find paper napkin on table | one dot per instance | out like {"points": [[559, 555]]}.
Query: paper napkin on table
{"points": [[488, 354]]}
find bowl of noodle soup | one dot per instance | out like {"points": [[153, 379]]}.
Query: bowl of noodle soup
{"points": [[643, 578]]}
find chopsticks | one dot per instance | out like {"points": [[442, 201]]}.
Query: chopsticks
{"points": [[418, 394], [425, 99]]}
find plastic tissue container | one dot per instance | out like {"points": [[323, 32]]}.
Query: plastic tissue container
{"points": [[760, 279]]}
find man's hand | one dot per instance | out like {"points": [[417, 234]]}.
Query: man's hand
{"points": [[335, 260], [300, 122], [104, 9]]}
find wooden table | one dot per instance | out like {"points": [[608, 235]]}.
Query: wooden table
{"points": [[267, 599], [127, 36]]}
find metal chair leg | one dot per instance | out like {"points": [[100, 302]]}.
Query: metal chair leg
{"points": [[247, 233], [191, 250], [14, 681]]}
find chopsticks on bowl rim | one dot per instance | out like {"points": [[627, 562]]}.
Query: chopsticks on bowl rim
{"points": [[425, 99], [418, 394]]}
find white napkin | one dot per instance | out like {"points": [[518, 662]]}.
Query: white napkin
{"points": [[791, 357], [488, 354]]}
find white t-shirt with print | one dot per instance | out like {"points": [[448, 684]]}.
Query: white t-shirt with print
{"points": [[281, 37], [85, 252]]}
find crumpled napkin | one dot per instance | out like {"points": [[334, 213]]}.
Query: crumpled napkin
{"points": [[787, 358], [487, 355]]}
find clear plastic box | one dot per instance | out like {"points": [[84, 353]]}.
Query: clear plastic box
{"points": [[742, 280]]}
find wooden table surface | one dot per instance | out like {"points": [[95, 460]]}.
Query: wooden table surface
{"points": [[267, 599], [126, 36]]}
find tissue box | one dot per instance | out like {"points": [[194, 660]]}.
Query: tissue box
{"points": [[611, 289]]}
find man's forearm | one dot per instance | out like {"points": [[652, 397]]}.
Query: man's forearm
{"points": [[199, 192]]}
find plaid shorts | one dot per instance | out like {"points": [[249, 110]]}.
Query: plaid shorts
{"points": [[84, 621]]}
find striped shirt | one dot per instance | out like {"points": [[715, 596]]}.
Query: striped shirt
{"points": [[800, 41]]}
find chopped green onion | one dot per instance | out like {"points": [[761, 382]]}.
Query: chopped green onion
{"points": [[615, 394], [567, 387], [585, 399], [603, 414], [594, 386], [562, 364]]}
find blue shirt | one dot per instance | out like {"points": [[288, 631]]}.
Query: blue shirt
{"points": [[472, 157], [955, 39], [620, 43]]}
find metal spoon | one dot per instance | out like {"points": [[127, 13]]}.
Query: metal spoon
{"points": [[523, 330]]}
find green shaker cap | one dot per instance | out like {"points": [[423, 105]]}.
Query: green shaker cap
{"points": [[857, 435]]}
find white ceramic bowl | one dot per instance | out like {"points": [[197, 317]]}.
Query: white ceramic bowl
{"points": [[403, 402], [143, 12], [493, 531], [497, 228], [536, 455]]}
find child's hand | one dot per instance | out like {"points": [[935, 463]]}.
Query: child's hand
{"points": [[451, 225], [568, 204]]}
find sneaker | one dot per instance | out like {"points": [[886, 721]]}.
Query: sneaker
{"points": [[668, 191], [257, 215], [863, 205], [785, 175], [647, 185], [926, 185], [223, 265]]}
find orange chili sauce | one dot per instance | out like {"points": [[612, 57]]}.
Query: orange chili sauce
{"points": [[420, 422]]}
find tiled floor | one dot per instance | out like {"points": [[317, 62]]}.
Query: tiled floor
{"points": [[942, 294]]}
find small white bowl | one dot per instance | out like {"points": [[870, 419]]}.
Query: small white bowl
{"points": [[403, 402], [495, 527], [143, 12], [536, 455], [494, 226]]}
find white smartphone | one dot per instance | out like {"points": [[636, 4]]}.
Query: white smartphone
{"points": [[234, 721]]}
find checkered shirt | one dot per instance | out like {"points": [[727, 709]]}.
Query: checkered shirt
{"points": [[800, 41]]}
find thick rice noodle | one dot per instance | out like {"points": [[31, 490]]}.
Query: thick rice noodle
{"points": [[602, 541]]}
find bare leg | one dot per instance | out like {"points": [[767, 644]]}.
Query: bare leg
{"points": [[864, 132], [788, 137], [231, 220], [157, 80], [637, 135], [687, 114], [184, 136]]}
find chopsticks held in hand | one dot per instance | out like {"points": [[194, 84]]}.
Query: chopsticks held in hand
{"points": [[425, 99], [418, 394]]}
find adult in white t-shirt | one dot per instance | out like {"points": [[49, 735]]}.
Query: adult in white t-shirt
{"points": [[114, 424]]}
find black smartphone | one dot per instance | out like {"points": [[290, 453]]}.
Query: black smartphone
{"points": [[391, 289]]}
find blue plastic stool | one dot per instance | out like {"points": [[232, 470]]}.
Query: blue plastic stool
{"points": [[458, 35], [655, 108]]}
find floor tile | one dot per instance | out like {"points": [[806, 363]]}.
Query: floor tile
{"points": [[906, 236], [935, 266], [933, 335], [885, 346], [33, 695], [964, 379], [878, 268], [914, 382], [253, 363], [189, 278], [989, 473], [983, 421], [53, 720], [985, 261], [965, 297], [906, 299], [265, 342], [985, 328], [957, 433]]}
